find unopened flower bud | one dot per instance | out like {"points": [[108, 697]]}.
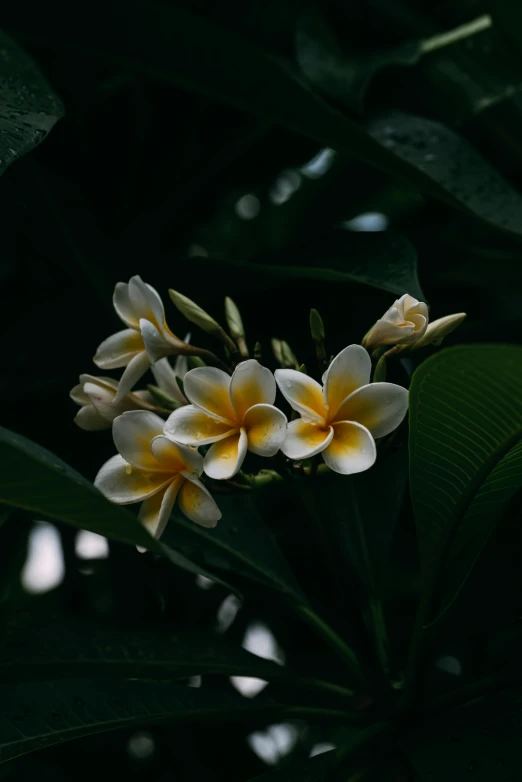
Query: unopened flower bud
{"points": [[316, 326], [194, 313], [403, 324], [234, 320], [289, 360], [195, 361], [439, 329]]}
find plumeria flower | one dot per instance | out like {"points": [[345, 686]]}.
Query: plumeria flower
{"points": [[152, 469], [439, 329], [404, 323], [342, 418], [147, 338], [98, 409], [235, 413]]}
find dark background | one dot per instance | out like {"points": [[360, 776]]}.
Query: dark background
{"points": [[144, 176]]}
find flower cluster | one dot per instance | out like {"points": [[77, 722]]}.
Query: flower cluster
{"points": [[199, 423]]}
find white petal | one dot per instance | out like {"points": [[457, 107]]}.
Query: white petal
{"points": [[196, 502], [266, 429], [251, 384], [380, 407], [349, 370], [209, 389], [133, 433], [102, 398], [155, 344], [352, 449], [176, 457], [122, 483], [89, 419], [123, 306], [304, 439], [386, 333], [146, 302], [155, 512], [133, 372], [224, 458], [79, 396], [165, 377], [118, 349], [191, 426], [302, 392]]}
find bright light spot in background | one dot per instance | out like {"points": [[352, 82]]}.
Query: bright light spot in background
{"points": [[258, 640], [449, 664], [227, 612], [248, 207], [319, 164], [194, 681], [284, 187], [274, 743], [368, 222], [44, 567], [321, 748], [196, 250], [202, 581], [89, 545], [140, 745]]}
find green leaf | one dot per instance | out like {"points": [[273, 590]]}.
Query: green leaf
{"points": [[34, 715], [342, 72], [28, 106], [479, 740], [385, 260], [305, 770], [34, 479], [240, 544], [61, 647], [190, 51], [465, 416], [486, 511]]}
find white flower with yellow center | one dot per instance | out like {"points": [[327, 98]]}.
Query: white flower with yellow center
{"points": [[98, 409], [235, 413], [342, 418], [152, 469], [147, 338], [404, 323]]}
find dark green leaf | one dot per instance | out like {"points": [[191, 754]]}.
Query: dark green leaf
{"points": [[342, 72], [161, 41], [385, 260], [479, 741], [28, 106], [486, 510], [305, 770], [34, 479], [465, 416], [35, 715], [240, 544]]}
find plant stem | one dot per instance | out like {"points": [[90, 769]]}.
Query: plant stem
{"points": [[331, 637], [458, 34]]}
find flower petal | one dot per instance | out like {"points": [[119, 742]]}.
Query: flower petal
{"points": [[78, 395], [175, 457], [133, 372], [302, 392], [88, 418], [122, 483], [155, 512], [165, 376], [196, 502], [146, 302], [118, 349], [123, 306], [103, 400], [251, 385], [266, 429], [380, 407], [155, 343], [385, 332], [349, 370], [209, 389], [224, 458], [352, 448], [304, 439], [133, 433], [191, 426]]}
